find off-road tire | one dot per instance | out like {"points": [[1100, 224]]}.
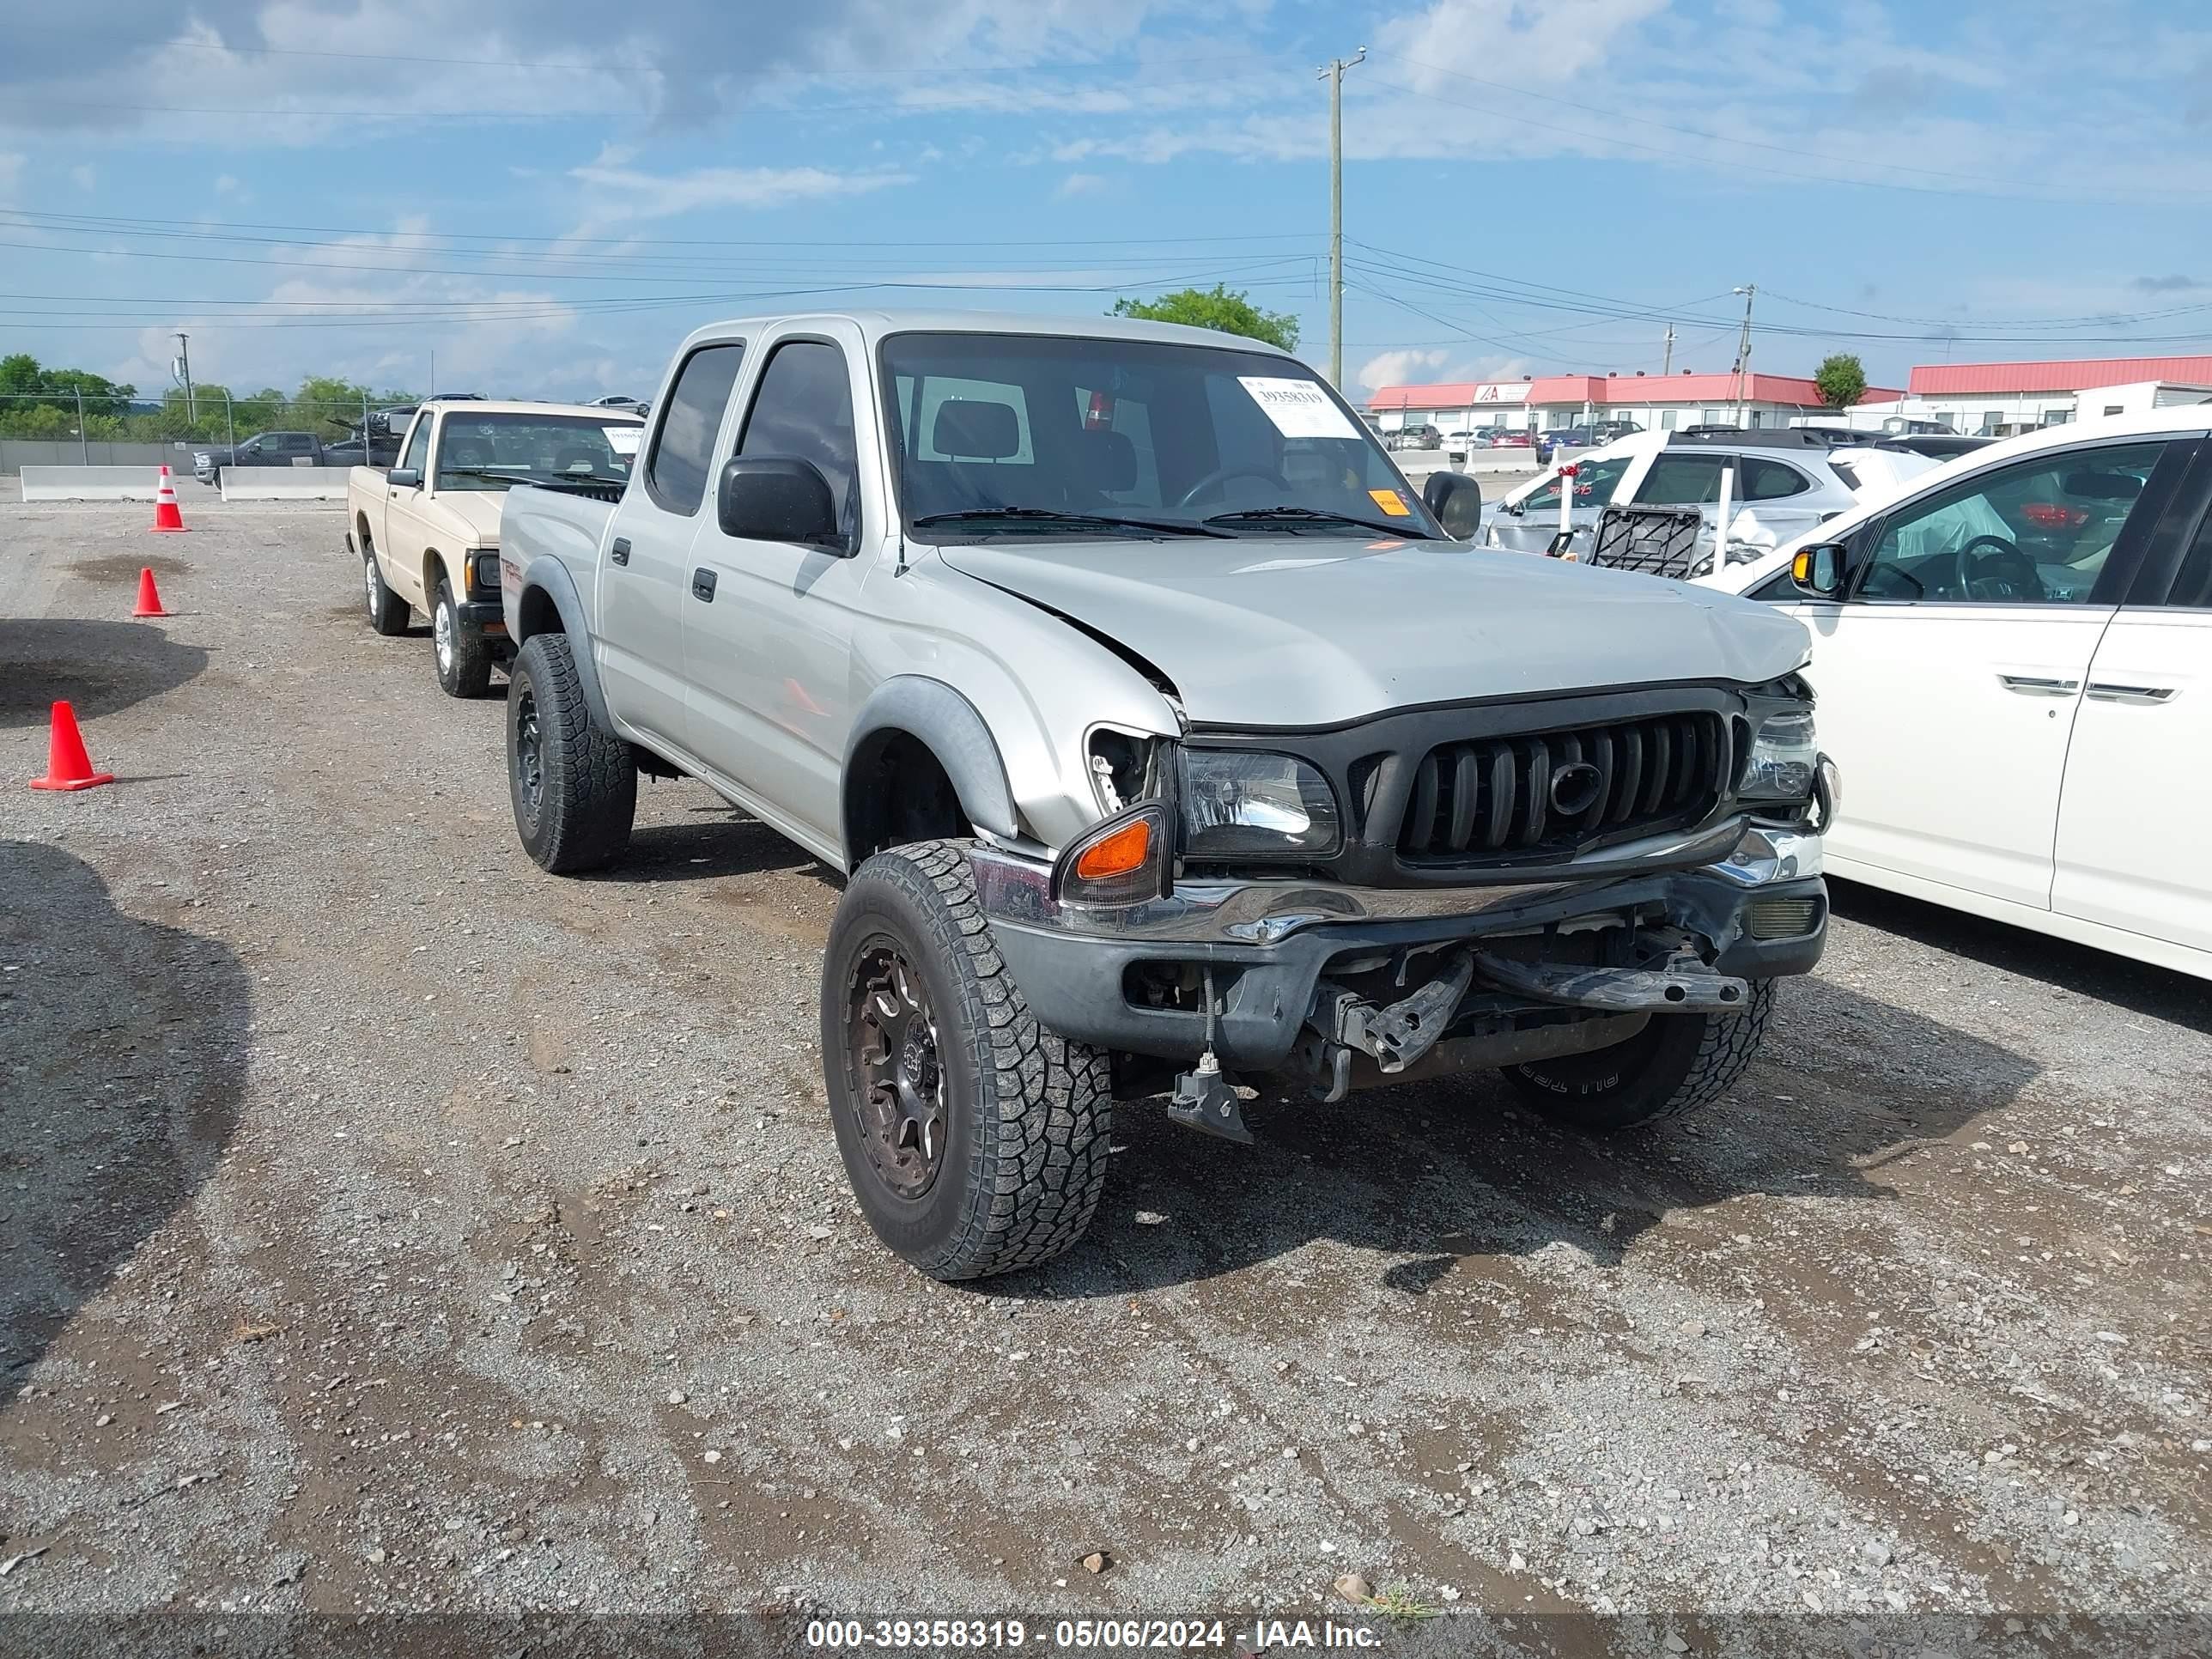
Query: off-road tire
{"points": [[579, 818], [461, 656], [388, 614], [1675, 1064], [1028, 1112]]}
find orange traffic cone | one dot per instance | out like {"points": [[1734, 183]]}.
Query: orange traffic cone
{"points": [[68, 767], [166, 515], [149, 596]]}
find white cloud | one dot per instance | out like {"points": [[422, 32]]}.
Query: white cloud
{"points": [[1081, 184], [628, 193], [11, 172], [1398, 368], [1541, 41], [84, 178], [226, 183]]}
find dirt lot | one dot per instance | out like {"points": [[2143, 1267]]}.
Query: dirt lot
{"points": [[387, 1226]]}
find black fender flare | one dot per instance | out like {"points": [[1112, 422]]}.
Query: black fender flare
{"points": [[551, 577], [934, 714]]}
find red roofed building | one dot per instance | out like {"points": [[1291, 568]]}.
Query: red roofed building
{"points": [[1999, 399], [1656, 403]]}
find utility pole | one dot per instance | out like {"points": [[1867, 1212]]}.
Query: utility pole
{"points": [[1666, 363], [184, 374], [1333, 72], [1750, 292]]}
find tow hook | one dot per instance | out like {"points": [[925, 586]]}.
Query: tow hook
{"points": [[1682, 985], [1394, 1037], [1204, 1097]]}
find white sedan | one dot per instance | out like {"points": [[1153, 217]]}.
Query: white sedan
{"points": [[2013, 662]]}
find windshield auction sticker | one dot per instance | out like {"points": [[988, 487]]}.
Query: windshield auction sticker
{"points": [[623, 440], [1299, 409], [1391, 502]]}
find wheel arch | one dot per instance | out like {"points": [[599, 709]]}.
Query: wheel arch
{"points": [[549, 603], [947, 728]]}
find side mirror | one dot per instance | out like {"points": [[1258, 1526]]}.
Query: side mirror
{"points": [[1818, 572], [1457, 500], [404, 477], [776, 498]]}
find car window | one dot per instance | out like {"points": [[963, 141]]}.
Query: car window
{"points": [[1761, 480], [803, 409], [2192, 584], [418, 445], [1680, 480], [2037, 532], [684, 446], [1594, 482]]}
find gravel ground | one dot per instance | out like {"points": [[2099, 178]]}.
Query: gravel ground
{"points": [[387, 1226]]}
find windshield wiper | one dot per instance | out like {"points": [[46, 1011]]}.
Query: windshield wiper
{"points": [[1041, 515], [485, 472], [1317, 515]]}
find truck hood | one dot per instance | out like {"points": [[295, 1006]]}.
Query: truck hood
{"points": [[1301, 632], [475, 510]]}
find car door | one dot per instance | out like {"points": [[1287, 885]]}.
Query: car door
{"points": [[767, 626], [406, 517], [2138, 788], [645, 570], [1532, 529], [1950, 680]]}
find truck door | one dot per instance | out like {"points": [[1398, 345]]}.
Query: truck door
{"points": [[767, 626], [400, 549], [645, 569]]}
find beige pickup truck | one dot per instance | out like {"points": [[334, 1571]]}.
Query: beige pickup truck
{"points": [[426, 531]]}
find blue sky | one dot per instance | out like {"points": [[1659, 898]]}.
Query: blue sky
{"points": [[547, 193]]}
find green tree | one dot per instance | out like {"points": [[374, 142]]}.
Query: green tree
{"points": [[1217, 308], [1841, 380]]}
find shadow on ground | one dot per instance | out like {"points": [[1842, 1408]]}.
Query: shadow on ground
{"points": [[122, 1068], [1435, 1171], [2160, 992], [717, 841], [98, 667]]}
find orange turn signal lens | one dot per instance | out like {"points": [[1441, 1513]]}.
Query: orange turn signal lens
{"points": [[1801, 567], [1117, 854]]}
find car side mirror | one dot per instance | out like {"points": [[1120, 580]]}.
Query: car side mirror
{"points": [[777, 498], [404, 477], [1457, 500], [1818, 572]]}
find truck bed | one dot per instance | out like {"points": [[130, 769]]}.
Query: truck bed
{"points": [[567, 522]]}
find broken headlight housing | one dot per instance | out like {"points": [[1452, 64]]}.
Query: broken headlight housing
{"points": [[1785, 755], [1241, 803]]}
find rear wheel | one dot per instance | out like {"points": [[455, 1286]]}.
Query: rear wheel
{"points": [[464, 657], [1675, 1064], [388, 614], [574, 783], [974, 1139]]}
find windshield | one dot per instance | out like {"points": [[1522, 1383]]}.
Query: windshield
{"points": [[492, 450], [1000, 436]]}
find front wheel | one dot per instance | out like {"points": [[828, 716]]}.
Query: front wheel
{"points": [[464, 657], [1675, 1064], [974, 1139], [574, 782]]}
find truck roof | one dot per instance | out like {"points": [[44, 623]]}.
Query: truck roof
{"points": [[520, 406], [875, 325]]}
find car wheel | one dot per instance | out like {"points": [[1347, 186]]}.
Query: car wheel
{"points": [[463, 658], [574, 783], [974, 1139], [1675, 1064], [388, 614]]}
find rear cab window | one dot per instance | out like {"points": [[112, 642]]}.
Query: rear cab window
{"points": [[683, 450]]}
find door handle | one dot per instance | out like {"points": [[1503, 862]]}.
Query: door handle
{"points": [[2138, 694], [2031, 685], [702, 585], [619, 552]]}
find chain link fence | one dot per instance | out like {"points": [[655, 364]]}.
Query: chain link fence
{"points": [[67, 428]]}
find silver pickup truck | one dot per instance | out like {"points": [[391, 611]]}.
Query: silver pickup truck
{"points": [[1166, 739]]}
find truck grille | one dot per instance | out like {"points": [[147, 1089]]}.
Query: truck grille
{"points": [[1555, 792]]}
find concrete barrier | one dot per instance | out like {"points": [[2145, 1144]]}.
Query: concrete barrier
{"points": [[284, 483], [91, 483]]}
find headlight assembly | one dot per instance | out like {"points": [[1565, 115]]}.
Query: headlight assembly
{"points": [[1238, 804], [1784, 755]]}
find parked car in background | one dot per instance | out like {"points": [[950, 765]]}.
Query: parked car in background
{"points": [[1150, 765], [1511, 437], [262, 449], [1783, 484], [1606, 432], [2047, 599], [382, 449], [1415, 437], [1565, 437], [427, 532], [617, 400]]}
